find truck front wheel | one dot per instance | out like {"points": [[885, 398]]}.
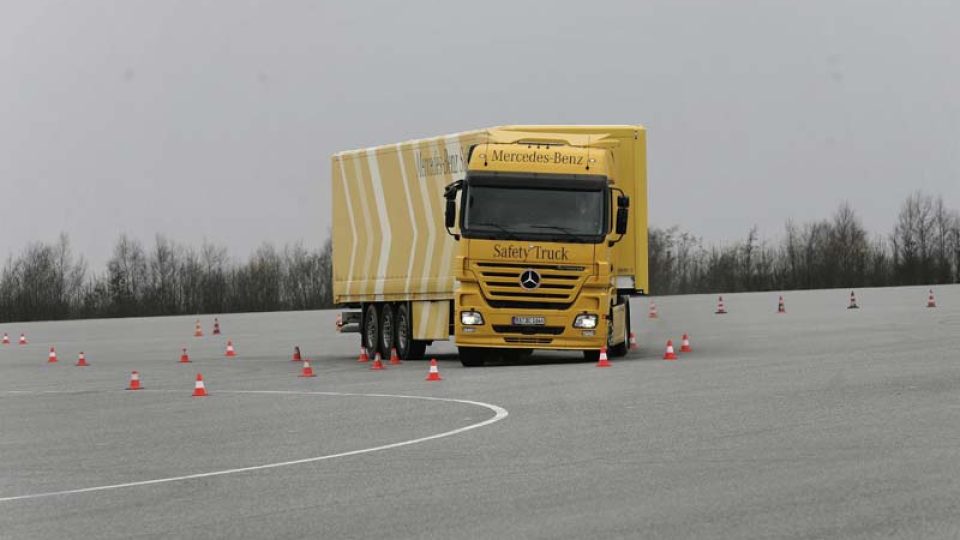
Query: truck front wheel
{"points": [[593, 355], [618, 350], [472, 356]]}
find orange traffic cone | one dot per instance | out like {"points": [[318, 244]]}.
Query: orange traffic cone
{"points": [[216, 326], [134, 381], [6, 339], [230, 351], [23, 339], [653, 311], [720, 309], [604, 361], [296, 354], [930, 301], [669, 354], [377, 363], [52, 357], [434, 373], [199, 390], [781, 308], [363, 355], [82, 360], [685, 344], [853, 301], [184, 357], [307, 370], [633, 342], [197, 330], [394, 359]]}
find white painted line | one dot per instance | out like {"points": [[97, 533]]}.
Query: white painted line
{"points": [[367, 224], [423, 185], [353, 226], [386, 238], [411, 216], [499, 414]]}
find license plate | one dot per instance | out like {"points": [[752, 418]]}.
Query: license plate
{"points": [[529, 321]]}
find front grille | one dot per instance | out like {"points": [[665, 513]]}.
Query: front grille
{"points": [[529, 340], [501, 304], [527, 330], [559, 283], [545, 296], [549, 287], [570, 267]]}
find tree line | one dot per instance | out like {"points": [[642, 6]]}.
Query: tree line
{"points": [[48, 281], [923, 248]]}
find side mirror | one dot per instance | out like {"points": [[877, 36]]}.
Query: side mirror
{"points": [[450, 209], [622, 217], [450, 215]]}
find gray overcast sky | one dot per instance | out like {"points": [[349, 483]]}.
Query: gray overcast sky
{"points": [[216, 119]]}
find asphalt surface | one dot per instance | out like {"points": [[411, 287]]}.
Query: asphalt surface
{"points": [[820, 423]]}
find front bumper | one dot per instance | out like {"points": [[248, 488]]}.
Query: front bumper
{"points": [[557, 332]]}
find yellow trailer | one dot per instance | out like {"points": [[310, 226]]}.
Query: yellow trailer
{"points": [[510, 239]]}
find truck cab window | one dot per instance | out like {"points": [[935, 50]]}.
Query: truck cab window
{"points": [[535, 213]]}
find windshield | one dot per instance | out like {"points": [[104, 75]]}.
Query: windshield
{"points": [[544, 213]]}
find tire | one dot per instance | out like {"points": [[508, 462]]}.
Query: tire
{"points": [[370, 337], [591, 355], [388, 329], [407, 347], [620, 349], [472, 356], [515, 355]]}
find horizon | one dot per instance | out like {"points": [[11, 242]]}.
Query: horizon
{"points": [[239, 258]]}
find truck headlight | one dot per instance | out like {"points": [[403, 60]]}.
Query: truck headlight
{"points": [[471, 318], [585, 320]]}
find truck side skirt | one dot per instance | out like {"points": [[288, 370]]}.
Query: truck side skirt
{"points": [[431, 320]]}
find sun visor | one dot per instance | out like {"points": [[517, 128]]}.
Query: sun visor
{"points": [[596, 140], [581, 182]]}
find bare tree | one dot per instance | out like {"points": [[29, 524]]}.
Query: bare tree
{"points": [[190, 282], [944, 223], [956, 249], [214, 260], [848, 247], [163, 276], [127, 276], [914, 240]]}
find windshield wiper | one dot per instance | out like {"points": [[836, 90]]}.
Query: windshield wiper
{"points": [[510, 234], [566, 230]]}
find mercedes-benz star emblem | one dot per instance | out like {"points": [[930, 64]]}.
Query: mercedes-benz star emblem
{"points": [[529, 279]]}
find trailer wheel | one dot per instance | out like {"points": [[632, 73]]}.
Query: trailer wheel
{"points": [[370, 337], [407, 347], [388, 329]]}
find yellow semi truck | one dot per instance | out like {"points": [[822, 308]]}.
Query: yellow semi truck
{"points": [[509, 239]]}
